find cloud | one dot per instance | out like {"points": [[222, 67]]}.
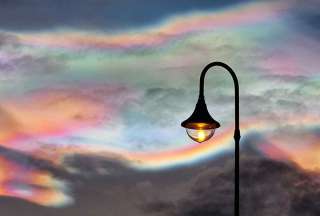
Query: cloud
{"points": [[305, 17], [267, 188], [20, 62], [35, 180], [86, 166], [98, 14], [273, 89], [7, 39], [29, 161]]}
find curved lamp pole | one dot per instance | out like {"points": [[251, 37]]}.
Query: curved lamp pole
{"points": [[201, 126]]}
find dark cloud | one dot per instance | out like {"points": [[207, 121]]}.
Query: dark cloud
{"points": [[93, 167], [306, 17], [267, 188], [120, 192], [101, 14], [30, 162]]}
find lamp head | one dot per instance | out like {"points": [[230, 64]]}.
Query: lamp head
{"points": [[200, 126]]}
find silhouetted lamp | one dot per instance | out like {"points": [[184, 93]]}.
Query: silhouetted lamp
{"points": [[201, 126]]}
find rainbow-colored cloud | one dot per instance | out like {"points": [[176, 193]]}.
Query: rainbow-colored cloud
{"points": [[121, 96]]}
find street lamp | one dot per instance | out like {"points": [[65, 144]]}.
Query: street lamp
{"points": [[200, 126]]}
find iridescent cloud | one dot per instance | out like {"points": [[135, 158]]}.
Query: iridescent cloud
{"points": [[127, 106], [29, 183], [243, 15]]}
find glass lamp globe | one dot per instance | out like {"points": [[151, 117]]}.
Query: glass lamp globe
{"points": [[200, 126], [200, 135]]}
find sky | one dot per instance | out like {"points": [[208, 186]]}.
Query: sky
{"points": [[92, 94]]}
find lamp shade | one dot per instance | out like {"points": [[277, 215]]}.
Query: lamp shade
{"points": [[200, 118]]}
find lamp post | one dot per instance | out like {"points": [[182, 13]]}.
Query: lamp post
{"points": [[200, 126]]}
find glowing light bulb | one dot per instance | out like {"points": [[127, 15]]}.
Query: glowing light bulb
{"points": [[200, 135]]}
